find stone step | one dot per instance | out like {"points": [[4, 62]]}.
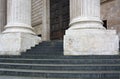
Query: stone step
{"points": [[62, 61], [56, 52], [86, 67], [43, 53], [45, 50], [63, 57], [21, 77], [60, 74], [60, 64], [49, 48], [50, 43]]}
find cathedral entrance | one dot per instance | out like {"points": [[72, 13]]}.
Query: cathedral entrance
{"points": [[59, 18]]}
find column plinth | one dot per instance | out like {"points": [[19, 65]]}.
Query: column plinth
{"points": [[18, 35], [86, 35]]}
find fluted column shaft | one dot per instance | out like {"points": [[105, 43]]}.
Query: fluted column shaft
{"points": [[85, 11], [19, 16], [2, 14]]}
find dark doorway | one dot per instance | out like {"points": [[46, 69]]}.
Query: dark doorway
{"points": [[59, 18], [105, 23]]}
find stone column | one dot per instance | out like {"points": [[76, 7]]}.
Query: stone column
{"points": [[19, 16], [2, 15], [86, 35], [85, 11], [46, 21], [18, 35]]}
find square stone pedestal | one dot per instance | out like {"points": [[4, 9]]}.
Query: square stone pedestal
{"points": [[91, 42], [15, 43]]}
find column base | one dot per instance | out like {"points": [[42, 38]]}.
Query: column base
{"points": [[18, 28], [15, 43], [91, 42]]}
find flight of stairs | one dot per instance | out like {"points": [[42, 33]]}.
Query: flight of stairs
{"points": [[46, 61]]}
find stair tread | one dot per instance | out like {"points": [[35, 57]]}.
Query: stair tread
{"points": [[65, 57], [61, 64], [55, 59], [51, 71], [62, 68]]}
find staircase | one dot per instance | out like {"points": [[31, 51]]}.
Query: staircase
{"points": [[46, 61]]}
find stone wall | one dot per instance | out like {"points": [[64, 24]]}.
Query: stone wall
{"points": [[110, 11], [37, 9]]}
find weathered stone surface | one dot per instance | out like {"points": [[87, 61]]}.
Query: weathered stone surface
{"points": [[38, 29], [91, 42], [15, 43], [110, 11]]}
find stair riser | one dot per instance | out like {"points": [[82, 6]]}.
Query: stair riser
{"points": [[46, 49], [62, 61], [43, 53], [61, 57], [62, 75], [50, 44], [55, 45], [47, 46], [63, 68]]}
